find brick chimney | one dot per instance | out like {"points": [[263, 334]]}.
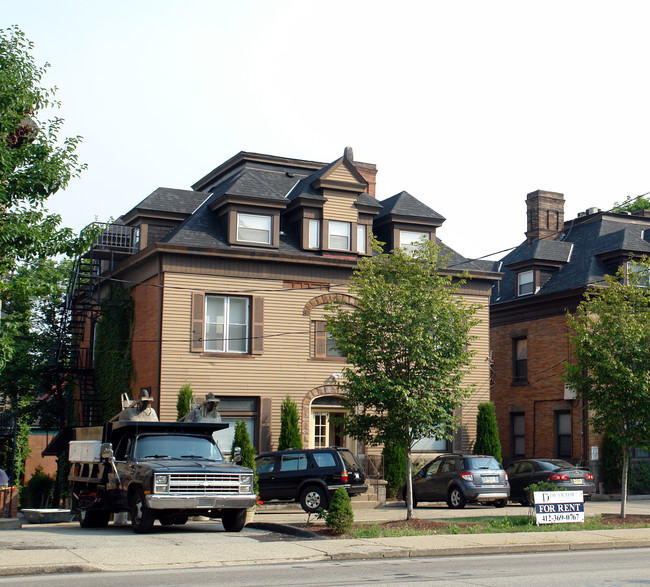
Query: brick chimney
{"points": [[545, 215]]}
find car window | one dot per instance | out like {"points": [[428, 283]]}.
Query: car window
{"points": [[324, 459], [448, 466], [432, 467], [349, 459], [526, 468], [554, 465], [511, 468], [474, 463], [265, 464], [294, 462]]}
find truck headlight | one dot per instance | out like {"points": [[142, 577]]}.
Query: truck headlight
{"points": [[161, 483], [246, 484]]}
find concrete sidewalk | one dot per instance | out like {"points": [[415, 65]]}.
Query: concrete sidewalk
{"points": [[60, 548]]}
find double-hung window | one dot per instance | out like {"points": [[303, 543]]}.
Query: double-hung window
{"points": [[226, 324], [525, 283], [362, 238], [314, 233], [520, 360], [410, 240], [339, 235], [254, 228]]}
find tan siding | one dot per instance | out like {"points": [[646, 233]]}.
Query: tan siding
{"points": [[339, 207], [341, 173]]}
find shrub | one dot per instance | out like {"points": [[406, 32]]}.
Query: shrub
{"points": [[339, 516], [394, 467], [37, 492], [290, 436], [612, 463], [185, 395], [243, 440], [640, 478], [487, 432]]}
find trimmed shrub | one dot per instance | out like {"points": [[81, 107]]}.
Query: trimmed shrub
{"points": [[487, 432], [37, 492], [290, 436], [185, 395], [243, 440], [394, 467], [339, 516]]}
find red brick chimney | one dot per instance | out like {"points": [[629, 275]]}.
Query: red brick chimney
{"points": [[545, 215]]}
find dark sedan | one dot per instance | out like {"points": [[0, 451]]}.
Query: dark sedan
{"points": [[524, 472]]}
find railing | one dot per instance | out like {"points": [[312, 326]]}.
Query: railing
{"points": [[117, 237]]}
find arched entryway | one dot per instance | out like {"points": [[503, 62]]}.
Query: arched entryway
{"points": [[320, 408]]}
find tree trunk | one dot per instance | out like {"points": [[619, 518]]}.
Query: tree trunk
{"points": [[626, 460], [409, 486]]}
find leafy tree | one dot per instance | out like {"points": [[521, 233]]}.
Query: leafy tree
{"points": [[634, 205], [408, 347], [610, 371], [243, 440], [33, 166], [185, 395], [487, 432], [290, 436]]}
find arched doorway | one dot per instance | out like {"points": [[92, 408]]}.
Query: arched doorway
{"points": [[324, 430]]}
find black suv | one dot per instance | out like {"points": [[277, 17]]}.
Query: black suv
{"points": [[309, 475]]}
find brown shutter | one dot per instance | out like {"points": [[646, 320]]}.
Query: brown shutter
{"points": [[265, 417], [320, 339], [257, 326], [198, 327]]}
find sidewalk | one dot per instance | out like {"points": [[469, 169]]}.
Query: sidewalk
{"points": [[59, 548]]}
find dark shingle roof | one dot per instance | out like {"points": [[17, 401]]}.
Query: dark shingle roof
{"points": [[172, 200], [404, 204]]}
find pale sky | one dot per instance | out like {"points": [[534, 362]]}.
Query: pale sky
{"points": [[467, 105]]}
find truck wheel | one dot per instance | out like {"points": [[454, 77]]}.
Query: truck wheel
{"points": [[456, 499], [233, 520], [312, 499], [141, 517], [180, 520], [94, 519]]}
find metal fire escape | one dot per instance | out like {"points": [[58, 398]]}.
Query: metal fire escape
{"points": [[90, 276]]}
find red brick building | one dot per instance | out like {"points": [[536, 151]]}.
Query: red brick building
{"points": [[544, 278]]}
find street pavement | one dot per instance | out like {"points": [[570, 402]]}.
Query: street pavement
{"points": [[65, 547]]}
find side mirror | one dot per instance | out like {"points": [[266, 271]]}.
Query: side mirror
{"points": [[106, 450], [236, 455]]}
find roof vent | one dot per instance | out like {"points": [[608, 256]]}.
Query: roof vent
{"points": [[592, 211], [581, 214]]}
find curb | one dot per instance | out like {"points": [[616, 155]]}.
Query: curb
{"points": [[284, 529]]}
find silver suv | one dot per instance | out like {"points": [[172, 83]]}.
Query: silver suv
{"points": [[461, 479]]}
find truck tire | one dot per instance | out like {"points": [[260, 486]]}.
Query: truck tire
{"points": [[141, 517], [233, 520], [94, 518], [313, 498]]}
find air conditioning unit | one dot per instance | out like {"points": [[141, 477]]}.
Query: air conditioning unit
{"points": [[569, 392]]}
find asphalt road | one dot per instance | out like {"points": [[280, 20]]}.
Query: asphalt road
{"points": [[583, 568]]}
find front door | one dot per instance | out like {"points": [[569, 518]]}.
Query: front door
{"points": [[326, 431]]}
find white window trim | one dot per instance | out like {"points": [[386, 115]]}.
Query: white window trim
{"points": [[313, 231], [412, 245], [330, 233], [241, 215], [225, 348], [362, 238], [531, 283]]}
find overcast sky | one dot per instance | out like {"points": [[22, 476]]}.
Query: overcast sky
{"points": [[467, 105]]}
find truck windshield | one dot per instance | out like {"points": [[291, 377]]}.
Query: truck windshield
{"points": [[176, 447]]}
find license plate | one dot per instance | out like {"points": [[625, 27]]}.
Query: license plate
{"points": [[490, 479], [577, 481]]}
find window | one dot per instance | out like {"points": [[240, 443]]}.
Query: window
{"points": [[294, 462], [339, 235], [525, 283], [637, 274], [520, 360], [324, 459], [314, 234], [517, 435], [232, 410], [410, 240], [254, 228], [226, 324], [362, 238], [562, 435], [324, 344], [431, 444]]}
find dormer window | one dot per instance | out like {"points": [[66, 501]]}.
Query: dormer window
{"points": [[410, 240], [339, 235], [362, 238], [254, 228], [314, 234], [525, 283], [638, 274]]}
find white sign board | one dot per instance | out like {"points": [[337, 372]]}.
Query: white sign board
{"points": [[559, 507]]}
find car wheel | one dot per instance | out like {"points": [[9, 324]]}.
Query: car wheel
{"points": [[500, 503], [233, 520], [456, 499], [94, 519], [141, 517], [312, 499]]}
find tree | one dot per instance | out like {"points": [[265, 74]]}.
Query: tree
{"points": [[408, 346], [632, 205], [289, 429], [33, 166], [610, 367], [185, 395], [243, 440], [487, 432]]}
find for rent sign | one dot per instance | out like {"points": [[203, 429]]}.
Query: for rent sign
{"points": [[559, 507]]}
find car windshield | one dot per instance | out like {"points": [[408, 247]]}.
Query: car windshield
{"points": [[474, 463], [555, 465], [176, 447]]}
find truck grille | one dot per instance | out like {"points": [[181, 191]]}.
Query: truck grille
{"points": [[189, 483]]}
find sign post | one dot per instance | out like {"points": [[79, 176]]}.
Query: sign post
{"points": [[559, 507]]}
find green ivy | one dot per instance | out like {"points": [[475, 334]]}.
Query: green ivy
{"points": [[113, 362]]}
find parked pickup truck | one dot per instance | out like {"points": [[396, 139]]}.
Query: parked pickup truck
{"points": [[164, 471]]}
